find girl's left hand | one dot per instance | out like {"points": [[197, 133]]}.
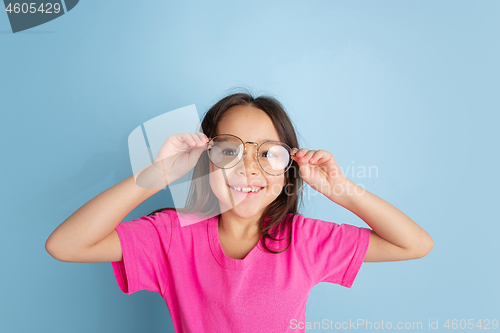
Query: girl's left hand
{"points": [[319, 169]]}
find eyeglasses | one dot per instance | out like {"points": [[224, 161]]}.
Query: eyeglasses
{"points": [[226, 151]]}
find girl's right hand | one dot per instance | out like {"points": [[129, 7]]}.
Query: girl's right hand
{"points": [[179, 154]]}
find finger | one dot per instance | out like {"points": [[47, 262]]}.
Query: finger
{"points": [[307, 157], [203, 137], [300, 156], [185, 139], [301, 152], [192, 139], [181, 137], [201, 141], [320, 154], [196, 139]]}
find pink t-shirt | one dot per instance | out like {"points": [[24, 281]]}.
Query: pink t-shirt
{"points": [[207, 291]]}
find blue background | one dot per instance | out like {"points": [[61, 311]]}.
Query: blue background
{"points": [[411, 87]]}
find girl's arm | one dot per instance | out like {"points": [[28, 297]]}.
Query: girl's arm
{"points": [[394, 235], [89, 235]]}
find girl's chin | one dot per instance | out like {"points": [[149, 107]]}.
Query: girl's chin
{"points": [[243, 209], [245, 214]]}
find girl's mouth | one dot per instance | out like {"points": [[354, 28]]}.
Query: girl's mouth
{"points": [[248, 191]]}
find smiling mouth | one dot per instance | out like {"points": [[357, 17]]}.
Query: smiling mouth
{"points": [[246, 190]]}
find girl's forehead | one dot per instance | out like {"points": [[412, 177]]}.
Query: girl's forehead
{"points": [[247, 123]]}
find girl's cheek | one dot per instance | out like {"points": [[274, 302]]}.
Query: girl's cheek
{"points": [[219, 188], [276, 189], [215, 181]]}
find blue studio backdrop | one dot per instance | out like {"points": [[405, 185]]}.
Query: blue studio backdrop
{"points": [[408, 88]]}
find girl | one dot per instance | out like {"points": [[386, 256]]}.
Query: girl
{"points": [[238, 257]]}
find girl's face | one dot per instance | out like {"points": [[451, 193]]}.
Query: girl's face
{"points": [[249, 124]]}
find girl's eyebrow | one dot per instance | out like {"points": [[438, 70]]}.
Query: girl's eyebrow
{"points": [[265, 140]]}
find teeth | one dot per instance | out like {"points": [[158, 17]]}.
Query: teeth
{"points": [[246, 190]]}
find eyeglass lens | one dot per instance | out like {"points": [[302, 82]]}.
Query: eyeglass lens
{"points": [[226, 151]]}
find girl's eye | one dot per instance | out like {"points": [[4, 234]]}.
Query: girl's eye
{"points": [[267, 154], [228, 152]]}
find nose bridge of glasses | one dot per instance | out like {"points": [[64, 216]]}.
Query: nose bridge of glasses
{"points": [[256, 148]]}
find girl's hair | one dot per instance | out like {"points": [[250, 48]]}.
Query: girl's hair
{"points": [[274, 219]]}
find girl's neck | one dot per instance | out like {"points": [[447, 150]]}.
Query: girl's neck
{"points": [[241, 229]]}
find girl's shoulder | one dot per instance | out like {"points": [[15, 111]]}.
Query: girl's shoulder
{"points": [[305, 228], [184, 220], [301, 221]]}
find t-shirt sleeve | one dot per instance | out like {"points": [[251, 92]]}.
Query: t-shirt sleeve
{"points": [[145, 242], [335, 252]]}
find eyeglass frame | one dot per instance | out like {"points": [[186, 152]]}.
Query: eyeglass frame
{"points": [[256, 153]]}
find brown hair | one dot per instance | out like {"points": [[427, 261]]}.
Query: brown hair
{"points": [[202, 199]]}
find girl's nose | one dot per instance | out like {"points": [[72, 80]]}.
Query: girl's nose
{"points": [[250, 161]]}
